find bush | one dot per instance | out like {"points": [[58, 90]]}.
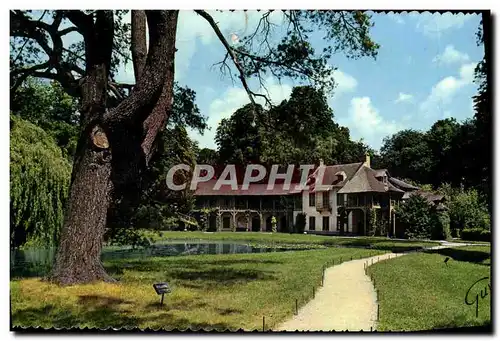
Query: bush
{"points": [[467, 210], [300, 223], [476, 234], [441, 227], [417, 216]]}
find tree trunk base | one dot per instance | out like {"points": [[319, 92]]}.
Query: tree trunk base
{"points": [[81, 275]]}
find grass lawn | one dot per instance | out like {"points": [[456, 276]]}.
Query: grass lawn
{"points": [[208, 291], [260, 238], [420, 292]]}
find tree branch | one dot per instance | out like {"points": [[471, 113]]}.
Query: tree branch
{"points": [[138, 43], [148, 89], [229, 50], [68, 30]]}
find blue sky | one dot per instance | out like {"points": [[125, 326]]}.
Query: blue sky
{"points": [[423, 72]]}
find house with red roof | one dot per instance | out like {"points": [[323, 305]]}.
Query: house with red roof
{"points": [[338, 199]]}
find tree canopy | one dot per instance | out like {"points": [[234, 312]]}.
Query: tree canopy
{"points": [[298, 130], [39, 184]]}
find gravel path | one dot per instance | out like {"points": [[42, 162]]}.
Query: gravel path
{"points": [[347, 301]]}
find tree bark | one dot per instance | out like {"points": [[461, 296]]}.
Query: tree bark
{"points": [[102, 165], [138, 42]]}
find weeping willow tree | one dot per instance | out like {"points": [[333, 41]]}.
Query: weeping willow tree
{"points": [[39, 183]]}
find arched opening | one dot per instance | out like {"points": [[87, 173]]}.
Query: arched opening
{"points": [[269, 226], [255, 223], [283, 227]]}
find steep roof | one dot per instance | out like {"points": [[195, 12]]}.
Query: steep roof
{"points": [[401, 184], [331, 175], [363, 181], [429, 196]]}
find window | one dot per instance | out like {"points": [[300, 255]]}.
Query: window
{"points": [[326, 223], [312, 223], [340, 200], [326, 199], [298, 203], [312, 199]]}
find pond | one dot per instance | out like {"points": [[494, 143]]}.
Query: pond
{"points": [[38, 262]]}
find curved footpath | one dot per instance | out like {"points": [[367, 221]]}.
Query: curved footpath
{"points": [[347, 300]]}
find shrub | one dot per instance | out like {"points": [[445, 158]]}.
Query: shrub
{"points": [[300, 223], [467, 210], [440, 229], [39, 185], [478, 234], [273, 224], [416, 216]]}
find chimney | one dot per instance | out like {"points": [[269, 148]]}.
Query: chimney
{"points": [[367, 160]]}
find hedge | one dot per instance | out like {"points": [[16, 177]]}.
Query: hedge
{"points": [[476, 234]]}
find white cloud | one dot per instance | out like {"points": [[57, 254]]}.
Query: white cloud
{"points": [[443, 92], [364, 121], [433, 25], [345, 82], [233, 99], [396, 18], [402, 97], [450, 55], [467, 72]]}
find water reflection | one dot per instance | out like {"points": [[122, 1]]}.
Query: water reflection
{"points": [[38, 262]]}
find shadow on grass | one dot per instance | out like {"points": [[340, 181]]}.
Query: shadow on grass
{"points": [[98, 316], [104, 312], [221, 277], [471, 256]]}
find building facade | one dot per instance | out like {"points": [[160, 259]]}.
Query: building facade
{"points": [[341, 199]]}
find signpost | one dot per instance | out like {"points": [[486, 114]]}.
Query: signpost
{"points": [[162, 289]]}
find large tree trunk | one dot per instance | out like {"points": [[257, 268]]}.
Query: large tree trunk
{"points": [[102, 164]]}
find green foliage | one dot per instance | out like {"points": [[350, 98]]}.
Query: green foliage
{"points": [[467, 209], [300, 223], [371, 221], [476, 234], [298, 130], [39, 184], [416, 216], [130, 237], [49, 107], [273, 224], [207, 156], [440, 229], [406, 154]]}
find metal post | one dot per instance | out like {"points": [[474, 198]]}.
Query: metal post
{"points": [[296, 306], [314, 292], [161, 303], [378, 312], [263, 323]]}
